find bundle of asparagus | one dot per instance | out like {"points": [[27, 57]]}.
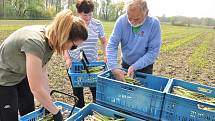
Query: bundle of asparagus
{"points": [[177, 90], [99, 117], [132, 81], [94, 70]]}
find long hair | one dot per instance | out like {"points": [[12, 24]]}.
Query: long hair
{"points": [[65, 27]]}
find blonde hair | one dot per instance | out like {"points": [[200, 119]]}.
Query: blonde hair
{"points": [[65, 24]]}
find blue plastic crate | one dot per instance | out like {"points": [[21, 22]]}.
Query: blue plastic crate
{"points": [[39, 113], [84, 80], [177, 108], [139, 101], [87, 110]]}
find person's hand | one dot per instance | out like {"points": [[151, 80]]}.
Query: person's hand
{"points": [[68, 63], [131, 71], [58, 116], [105, 59], [119, 74]]}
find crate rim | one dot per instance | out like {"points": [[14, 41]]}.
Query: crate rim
{"points": [[139, 73], [77, 63], [136, 86], [84, 74], [195, 83], [39, 109], [97, 104], [91, 62]]}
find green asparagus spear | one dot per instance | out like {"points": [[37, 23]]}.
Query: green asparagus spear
{"points": [[132, 81], [94, 70]]}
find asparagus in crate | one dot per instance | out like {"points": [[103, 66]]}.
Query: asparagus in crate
{"points": [[94, 70], [132, 81], [99, 117], [177, 90]]}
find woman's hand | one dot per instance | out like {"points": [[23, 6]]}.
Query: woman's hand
{"points": [[68, 60], [68, 63], [58, 116]]}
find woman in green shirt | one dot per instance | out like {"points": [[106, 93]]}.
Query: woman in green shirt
{"points": [[23, 61]]}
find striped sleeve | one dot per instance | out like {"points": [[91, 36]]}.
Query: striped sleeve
{"points": [[101, 30]]}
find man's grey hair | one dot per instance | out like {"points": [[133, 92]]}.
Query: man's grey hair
{"points": [[137, 3]]}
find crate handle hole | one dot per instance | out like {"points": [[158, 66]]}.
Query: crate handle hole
{"points": [[118, 116], [204, 90], [141, 76], [206, 108], [127, 88]]}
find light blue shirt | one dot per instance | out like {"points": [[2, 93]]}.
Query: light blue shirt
{"points": [[138, 49], [95, 32]]}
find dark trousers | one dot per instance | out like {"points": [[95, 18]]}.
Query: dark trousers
{"points": [[147, 70], [14, 98], [79, 92]]}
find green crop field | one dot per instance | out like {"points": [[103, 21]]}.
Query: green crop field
{"points": [[187, 53]]}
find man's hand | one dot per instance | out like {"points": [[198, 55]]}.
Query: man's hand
{"points": [[131, 71], [68, 63], [119, 74]]}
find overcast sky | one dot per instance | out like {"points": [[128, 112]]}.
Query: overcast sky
{"points": [[192, 8]]}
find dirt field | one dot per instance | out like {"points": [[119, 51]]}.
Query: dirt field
{"points": [[186, 53]]}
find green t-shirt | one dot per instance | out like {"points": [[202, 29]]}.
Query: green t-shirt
{"points": [[30, 39], [136, 29]]}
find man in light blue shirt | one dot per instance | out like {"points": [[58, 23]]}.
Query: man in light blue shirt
{"points": [[140, 38]]}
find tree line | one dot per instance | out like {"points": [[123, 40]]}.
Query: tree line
{"points": [[47, 9], [187, 21], [104, 10]]}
